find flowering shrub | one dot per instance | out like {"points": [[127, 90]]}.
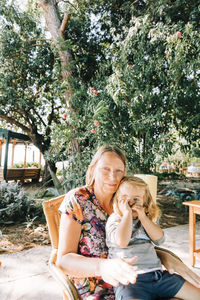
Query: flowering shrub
{"points": [[143, 89]]}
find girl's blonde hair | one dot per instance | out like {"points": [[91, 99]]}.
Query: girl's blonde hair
{"points": [[151, 209], [103, 149]]}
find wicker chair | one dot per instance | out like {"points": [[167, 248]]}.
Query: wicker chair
{"points": [[52, 215]]}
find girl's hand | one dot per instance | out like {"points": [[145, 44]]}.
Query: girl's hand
{"points": [[124, 206], [140, 210], [116, 271]]}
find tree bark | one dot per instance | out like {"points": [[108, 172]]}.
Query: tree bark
{"points": [[57, 29]]}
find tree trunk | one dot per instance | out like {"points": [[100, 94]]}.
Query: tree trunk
{"points": [[49, 167], [43, 145], [46, 177], [57, 29]]}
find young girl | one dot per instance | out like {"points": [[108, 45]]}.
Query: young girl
{"points": [[130, 231]]}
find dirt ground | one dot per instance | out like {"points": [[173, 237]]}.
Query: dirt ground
{"points": [[19, 237]]}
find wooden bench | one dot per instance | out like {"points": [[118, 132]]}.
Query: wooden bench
{"points": [[32, 173], [21, 174]]}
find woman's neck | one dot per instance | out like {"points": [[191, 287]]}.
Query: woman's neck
{"points": [[105, 200]]}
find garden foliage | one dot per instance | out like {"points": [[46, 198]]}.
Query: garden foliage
{"points": [[14, 203], [138, 80], [133, 75]]}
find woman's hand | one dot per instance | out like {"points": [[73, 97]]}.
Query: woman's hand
{"points": [[174, 265], [115, 271]]}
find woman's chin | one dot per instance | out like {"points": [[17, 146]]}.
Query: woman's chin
{"points": [[110, 188]]}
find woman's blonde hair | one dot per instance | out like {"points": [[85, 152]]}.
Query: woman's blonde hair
{"points": [[103, 149], [151, 209]]}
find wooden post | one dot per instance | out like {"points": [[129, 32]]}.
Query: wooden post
{"points": [[26, 143], [1, 146], [13, 152], [192, 232], [40, 158], [6, 158]]}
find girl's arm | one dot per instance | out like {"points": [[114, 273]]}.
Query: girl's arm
{"points": [[113, 271], [152, 229], [124, 228]]}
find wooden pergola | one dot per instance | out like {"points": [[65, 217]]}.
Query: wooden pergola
{"points": [[10, 173]]}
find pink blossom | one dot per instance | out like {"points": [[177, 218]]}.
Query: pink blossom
{"points": [[93, 130], [96, 123], [178, 34]]}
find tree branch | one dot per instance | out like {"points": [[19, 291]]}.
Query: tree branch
{"points": [[15, 122], [64, 24], [134, 2]]}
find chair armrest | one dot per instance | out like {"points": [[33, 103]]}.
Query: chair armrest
{"points": [[168, 251], [65, 283]]}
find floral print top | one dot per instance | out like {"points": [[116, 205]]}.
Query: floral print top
{"points": [[92, 241]]}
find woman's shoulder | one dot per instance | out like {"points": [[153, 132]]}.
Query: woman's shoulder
{"points": [[75, 197], [73, 203], [83, 192]]}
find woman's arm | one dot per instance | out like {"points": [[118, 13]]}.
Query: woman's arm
{"points": [[112, 271], [175, 265]]}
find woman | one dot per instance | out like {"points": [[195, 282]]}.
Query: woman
{"points": [[82, 249]]}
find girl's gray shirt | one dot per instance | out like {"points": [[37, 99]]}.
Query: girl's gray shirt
{"points": [[140, 245]]}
